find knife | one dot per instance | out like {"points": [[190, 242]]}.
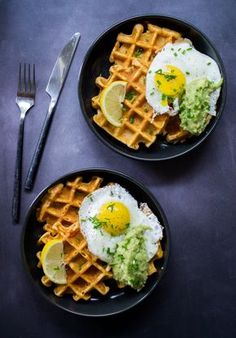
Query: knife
{"points": [[54, 88]]}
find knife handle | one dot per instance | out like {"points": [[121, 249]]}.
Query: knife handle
{"points": [[39, 148], [18, 174]]}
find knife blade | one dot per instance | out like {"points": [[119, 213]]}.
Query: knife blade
{"points": [[61, 68], [54, 87]]}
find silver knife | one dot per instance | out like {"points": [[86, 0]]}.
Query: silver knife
{"points": [[54, 88]]}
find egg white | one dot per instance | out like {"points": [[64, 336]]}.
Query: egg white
{"points": [[192, 63], [100, 242]]}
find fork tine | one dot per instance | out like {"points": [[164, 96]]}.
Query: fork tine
{"points": [[29, 79], [24, 79]]}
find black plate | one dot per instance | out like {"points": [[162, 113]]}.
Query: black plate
{"points": [[97, 62], [117, 300]]}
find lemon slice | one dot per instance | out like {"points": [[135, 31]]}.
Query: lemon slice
{"points": [[111, 102], [52, 259]]}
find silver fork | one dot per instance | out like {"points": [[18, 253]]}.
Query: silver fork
{"points": [[25, 100]]}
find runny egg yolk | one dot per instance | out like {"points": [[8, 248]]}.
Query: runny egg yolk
{"points": [[170, 83], [114, 217]]}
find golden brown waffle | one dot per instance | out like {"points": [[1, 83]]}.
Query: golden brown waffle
{"points": [[174, 133], [62, 202], [59, 213], [141, 45], [138, 125], [85, 272], [132, 56]]}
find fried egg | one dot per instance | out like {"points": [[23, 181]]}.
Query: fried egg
{"points": [[173, 67], [107, 214]]}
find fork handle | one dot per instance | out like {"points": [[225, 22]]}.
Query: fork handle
{"points": [[18, 173], [39, 149]]}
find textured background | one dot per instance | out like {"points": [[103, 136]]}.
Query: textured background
{"points": [[197, 297]]}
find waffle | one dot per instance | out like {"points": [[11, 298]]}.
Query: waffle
{"points": [[174, 133], [85, 272], [131, 65], [127, 47], [59, 213], [138, 125], [61, 203]]}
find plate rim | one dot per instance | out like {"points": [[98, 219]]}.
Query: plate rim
{"points": [[110, 145], [80, 172]]}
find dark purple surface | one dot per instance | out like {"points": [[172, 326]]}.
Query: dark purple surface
{"points": [[197, 297]]}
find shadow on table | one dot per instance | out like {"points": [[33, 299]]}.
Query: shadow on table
{"points": [[171, 171], [130, 323]]}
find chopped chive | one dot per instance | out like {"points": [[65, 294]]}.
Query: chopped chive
{"points": [[152, 93], [187, 73], [175, 54], [169, 77], [138, 52], [172, 48], [90, 197], [96, 223], [109, 251], [131, 119], [179, 49], [111, 207], [208, 63], [184, 52], [130, 95], [188, 49], [159, 71]]}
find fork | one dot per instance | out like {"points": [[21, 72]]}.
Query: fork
{"points": [[25, 100]]}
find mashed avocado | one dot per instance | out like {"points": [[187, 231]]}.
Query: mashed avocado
{"points": [[130, 261], [195, 106]]}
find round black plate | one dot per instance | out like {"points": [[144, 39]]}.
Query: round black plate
{"points": [[96, 62], [117, 300]]}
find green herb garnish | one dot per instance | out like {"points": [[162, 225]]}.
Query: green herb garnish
{"points": [[96, 223], [163, 96], [109, 252], [131, 119], [169, 77], [110, 207], [138, 52], [90, 197], [130, 95]]}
